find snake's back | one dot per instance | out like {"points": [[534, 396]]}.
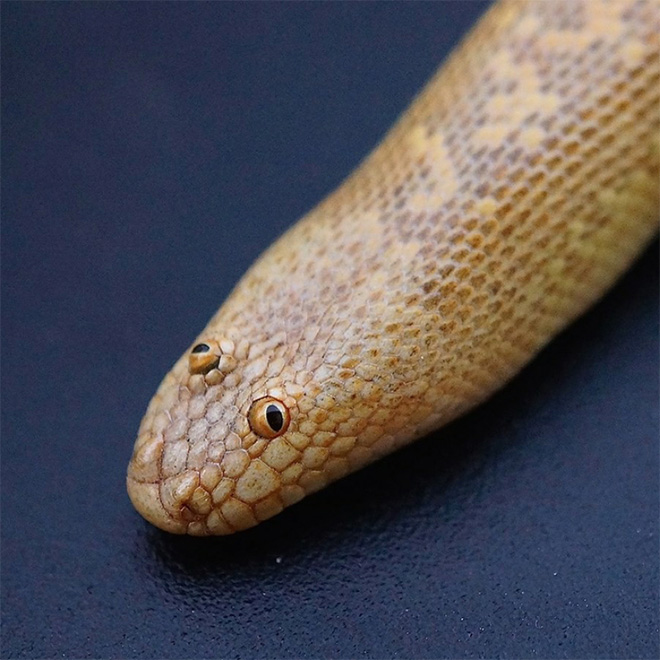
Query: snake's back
{"points": [[519, 185]]}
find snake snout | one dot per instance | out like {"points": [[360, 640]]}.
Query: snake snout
{"points": [[147, 501]]}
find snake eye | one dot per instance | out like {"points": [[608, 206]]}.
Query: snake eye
{"points": [[204, 357], [269, 417]]}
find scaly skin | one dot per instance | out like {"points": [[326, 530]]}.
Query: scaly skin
{"points": [[516, 189]]}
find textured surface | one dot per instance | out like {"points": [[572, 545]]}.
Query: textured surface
{"points": [[526, 529], [519, 185]]}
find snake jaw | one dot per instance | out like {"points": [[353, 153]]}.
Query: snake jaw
{"points": [[146, 500]]}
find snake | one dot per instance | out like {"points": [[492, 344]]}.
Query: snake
{"points": [[518, 186]]}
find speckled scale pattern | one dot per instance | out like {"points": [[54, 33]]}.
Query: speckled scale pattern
{"points": [[519, 185]]}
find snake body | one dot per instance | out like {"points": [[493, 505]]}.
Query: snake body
{"points": [[519, 185]]}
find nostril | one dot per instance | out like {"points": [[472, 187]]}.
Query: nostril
{"points": [[201, 348]]}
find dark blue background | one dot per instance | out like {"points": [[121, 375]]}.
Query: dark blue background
{"points": [[149, 153]]}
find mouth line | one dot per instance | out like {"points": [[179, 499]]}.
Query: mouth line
{"points": [[145, 497]]}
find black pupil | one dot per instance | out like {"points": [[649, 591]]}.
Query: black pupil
{"points": [[274, 417], [200, 348]]}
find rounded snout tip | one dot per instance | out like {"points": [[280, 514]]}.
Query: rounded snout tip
{"points": [[146, 499]]}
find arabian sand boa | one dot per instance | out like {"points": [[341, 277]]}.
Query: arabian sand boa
{"points": [[515, 190]]}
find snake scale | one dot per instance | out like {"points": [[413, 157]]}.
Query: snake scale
{"points": [[521, 182]]}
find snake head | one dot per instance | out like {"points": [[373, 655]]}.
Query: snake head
{"points": [[207, 459], [239, 430]]}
